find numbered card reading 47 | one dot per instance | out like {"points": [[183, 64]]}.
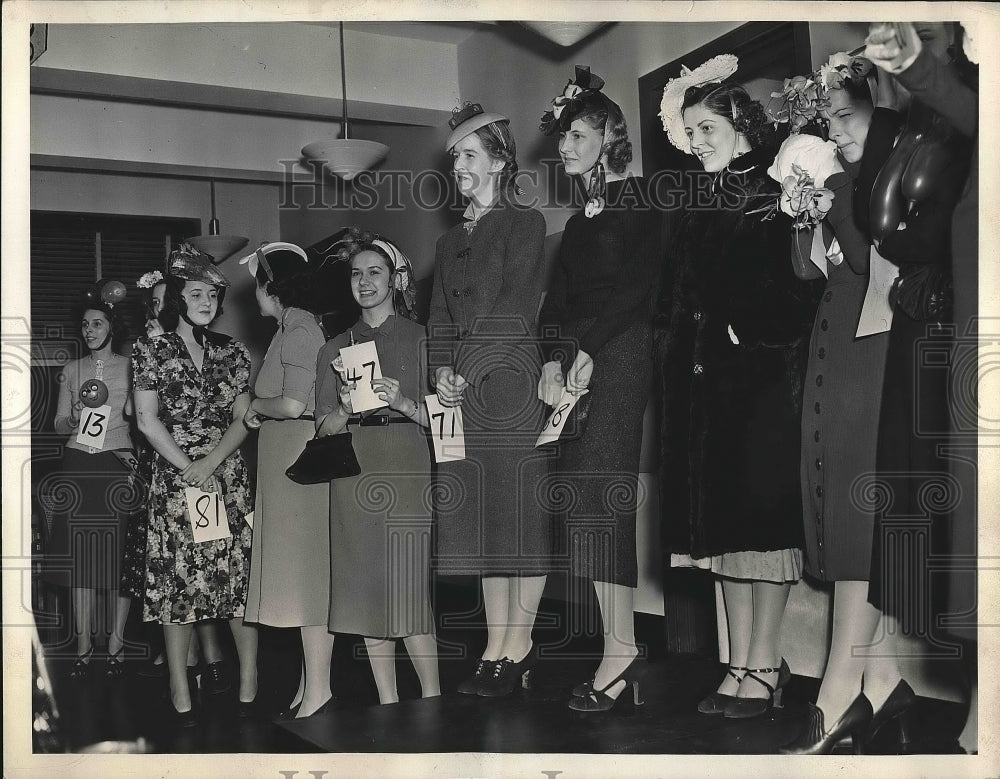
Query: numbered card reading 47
{"points": [[361, 366]]}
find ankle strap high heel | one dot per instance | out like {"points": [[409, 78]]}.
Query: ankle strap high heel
{"points": [[744, 708], [716, 702]]}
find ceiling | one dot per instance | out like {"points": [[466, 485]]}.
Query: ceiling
{"points": [[452, 33]]}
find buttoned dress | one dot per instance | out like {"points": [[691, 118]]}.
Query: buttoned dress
{"points": [[488, 280]]}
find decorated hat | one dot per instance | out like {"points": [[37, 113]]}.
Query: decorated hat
{"points": [[468, 119], [106, 293], [189, 264], [581, 92], [150, 279], [277, 258], [714, 70], [803, 97]]}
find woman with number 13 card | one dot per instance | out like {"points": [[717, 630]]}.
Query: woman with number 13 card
{"points": [[93, 401], [380, 523], [191, 393]]}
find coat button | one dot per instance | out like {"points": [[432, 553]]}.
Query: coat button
{"points": [[821, 353], [467, 291], [697, 316], [816, 436], [828, 297], [819, 380], [819, 464], [819, 492], [816, 407], [456, 292], [824, 325], [698, 369]]}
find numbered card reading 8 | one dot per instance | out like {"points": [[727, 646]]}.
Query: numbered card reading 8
{"points": [[93, 427], [207, 513], [361, 366], [446, 431], [557, 419]]}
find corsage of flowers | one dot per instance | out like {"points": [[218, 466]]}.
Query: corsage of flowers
{"points": [[802, 166], [803, 97], [149, 280]]}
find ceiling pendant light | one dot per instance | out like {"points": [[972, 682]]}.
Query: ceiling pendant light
{"points": [[564, 33], [345, 157], [218, 247]]}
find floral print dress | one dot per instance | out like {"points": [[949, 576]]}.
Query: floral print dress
{"points": [[188, 581]]}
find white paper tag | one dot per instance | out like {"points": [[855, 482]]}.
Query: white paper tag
{"points": [[207, 514], [361, 365], [876, 313], [557, 419], [94, 426], [249, 518], [817, 253], [446, 431]]}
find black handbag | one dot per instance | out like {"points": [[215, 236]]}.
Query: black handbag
{"points": [[324, 459], [923, 292]]}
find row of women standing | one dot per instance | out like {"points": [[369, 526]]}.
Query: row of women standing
{"points": [[743, 456]]}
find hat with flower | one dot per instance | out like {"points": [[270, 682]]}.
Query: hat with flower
{"points": [[583, 91], [803, 97]]}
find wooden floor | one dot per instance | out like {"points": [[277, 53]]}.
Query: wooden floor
{"points": [[535, 720]]}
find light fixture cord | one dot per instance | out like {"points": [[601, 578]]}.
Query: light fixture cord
{"points": [[211, 183], [343, 80]]}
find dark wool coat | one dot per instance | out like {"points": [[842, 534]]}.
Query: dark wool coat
{"points": [[729, 467]]}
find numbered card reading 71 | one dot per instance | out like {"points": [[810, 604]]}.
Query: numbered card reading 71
{"points": [[446, 431]]}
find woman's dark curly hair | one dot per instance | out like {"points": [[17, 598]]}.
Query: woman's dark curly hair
{"points": [[606, 117], [294, 283], [174, 304], [119, 330], [731, 102]]}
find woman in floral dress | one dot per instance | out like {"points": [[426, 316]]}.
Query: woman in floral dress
{"points": [[191, 392]]}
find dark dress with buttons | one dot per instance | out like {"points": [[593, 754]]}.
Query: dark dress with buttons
{"points": [[735, 322], [840, 409], [488, 281], [599, 300]]}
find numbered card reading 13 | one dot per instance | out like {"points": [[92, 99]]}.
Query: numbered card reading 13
{"points": [[94, 426], [207, 512], [361, 366]]}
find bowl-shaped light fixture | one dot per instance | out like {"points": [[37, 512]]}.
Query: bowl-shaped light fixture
{"points": [[346, 157], [218, 247], [564, 33]]}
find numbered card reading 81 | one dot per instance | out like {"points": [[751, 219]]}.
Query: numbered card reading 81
{"points": [[207, 512]]}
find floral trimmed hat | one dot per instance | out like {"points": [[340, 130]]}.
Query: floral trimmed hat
{"points": [[714, 70], [580, 93], [189, 264], [803, 97]]}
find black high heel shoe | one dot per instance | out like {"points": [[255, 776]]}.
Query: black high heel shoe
{"points": [[115, 668], [744, 708], [599, 700], [815, 739], [484, 670], [184, 719], [716, 702], [506, 675], [583, 689], [81, 666], [897, 707]]}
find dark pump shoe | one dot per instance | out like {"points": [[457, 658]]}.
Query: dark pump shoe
{"points": [[815, 739], [897, 708], [599, 700]]}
